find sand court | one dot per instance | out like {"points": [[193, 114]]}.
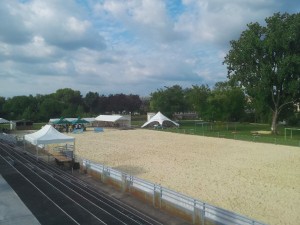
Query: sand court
{"points": [[261, 181]]}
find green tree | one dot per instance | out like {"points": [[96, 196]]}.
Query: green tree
{"points": [[2, 102], [72, 101], [169, 100], [197, 99], [91, 100], [226, 102], [14, 107], [265, 61], [50, 108]]}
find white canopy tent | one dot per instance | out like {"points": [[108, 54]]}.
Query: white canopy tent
{"points": [[116, 120], [3, 120], [160, 119], [48, 135]]}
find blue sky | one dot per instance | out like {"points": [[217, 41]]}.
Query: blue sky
{"points": [[121, 46]]}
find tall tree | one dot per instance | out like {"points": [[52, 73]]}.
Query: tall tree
{"points": [[72, 101], [2, 101], [197, 98], [133, 103], [226, 103], [14, 107], [91, 100], [169, 100], [266, 62]]}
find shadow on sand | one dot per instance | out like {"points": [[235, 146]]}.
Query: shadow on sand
{"points": [[129, 169]]}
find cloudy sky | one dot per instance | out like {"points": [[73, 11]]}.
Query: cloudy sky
{"points": [[121, 46]]}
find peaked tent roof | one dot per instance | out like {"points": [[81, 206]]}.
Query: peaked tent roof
{"points": [[109, 118], [3, 120], [47, 135], [160, 118], [72, 119], [79, 121], [61, 121]]}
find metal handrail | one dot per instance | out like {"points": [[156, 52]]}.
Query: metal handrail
{"points": [[182, 201]]}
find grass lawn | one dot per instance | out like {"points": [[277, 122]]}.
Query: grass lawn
{"points": [[239, 131]]}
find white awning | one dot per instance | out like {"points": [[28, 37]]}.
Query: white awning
{"points": [[109, 118], [3, 120], [47, 135]]}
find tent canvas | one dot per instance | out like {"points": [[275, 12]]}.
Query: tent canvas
{"points": [[108, 118], [3, 120], [121, 120], [161, 119], [61, 121], [90, 120], [79, 121], [47, 135]]}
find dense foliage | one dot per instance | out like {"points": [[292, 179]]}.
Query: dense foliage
{"points": [[66, 103], [265, 61], [222, 103]]}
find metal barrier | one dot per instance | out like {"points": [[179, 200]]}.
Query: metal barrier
{"points": [[193, 210]]}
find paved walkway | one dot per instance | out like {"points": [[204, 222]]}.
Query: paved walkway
{"points": [[12, 210]]}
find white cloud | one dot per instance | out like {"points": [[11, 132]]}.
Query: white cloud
{"points": [[77, 27], [218, 21], [113, 46]]}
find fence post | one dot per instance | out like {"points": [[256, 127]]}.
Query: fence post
{"points": [[87, 166], [125, 183], [105, 174], [203, 215], [157, 194], [197, 217]]}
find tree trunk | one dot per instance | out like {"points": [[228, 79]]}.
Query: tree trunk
{"points": [[274, 122]]}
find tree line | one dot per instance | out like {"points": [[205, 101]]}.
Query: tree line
{"points": [[223, 102], [263, 85], [66, 103]]}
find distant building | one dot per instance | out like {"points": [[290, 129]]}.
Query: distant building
{"points": [[21, 125], [186, 116], [150, 115]]}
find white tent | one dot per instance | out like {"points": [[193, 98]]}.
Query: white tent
{"points": [[117, 120], [160, 119], [47, 135], [3, 120]]}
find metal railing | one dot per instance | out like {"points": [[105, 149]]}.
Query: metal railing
{"points": [[197, 211]]}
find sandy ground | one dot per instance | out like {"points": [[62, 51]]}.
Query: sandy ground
{"points": [[261, 181]]}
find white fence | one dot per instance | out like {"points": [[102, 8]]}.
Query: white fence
{"points": [[195, 211]]}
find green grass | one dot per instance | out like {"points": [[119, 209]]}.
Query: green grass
{"points": [[238, 131], [37, 126]]}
